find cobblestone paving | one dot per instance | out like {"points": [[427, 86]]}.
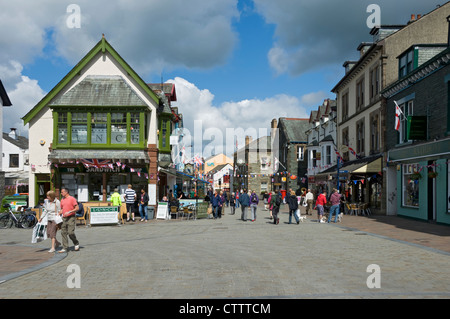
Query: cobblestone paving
{"points": [[229, 258]]}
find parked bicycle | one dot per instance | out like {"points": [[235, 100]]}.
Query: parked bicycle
{"points": [[26, 219]]}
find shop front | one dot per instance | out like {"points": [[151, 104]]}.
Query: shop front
{"points": [[94, 179], [421, 181], [362, 182]]}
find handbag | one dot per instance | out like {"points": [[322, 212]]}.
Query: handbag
{"points": [[297, 213], [58, 219]]}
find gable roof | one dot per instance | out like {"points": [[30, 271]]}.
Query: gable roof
{"points": [[101, 47], [107, 90], [20, 141], [3, 96], [295, 129]]}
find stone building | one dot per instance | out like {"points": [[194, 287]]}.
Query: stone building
{"points": [[361, 109], [418, 149]]}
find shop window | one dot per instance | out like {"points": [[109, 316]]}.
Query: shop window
{"points": [[410, 185], [118, 128], [99, 131], [79, 128], [135, 128]]}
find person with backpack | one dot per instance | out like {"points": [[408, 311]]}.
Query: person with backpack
{"points": [[293, 206], [275, 202], [244, 200], [254, 200]]}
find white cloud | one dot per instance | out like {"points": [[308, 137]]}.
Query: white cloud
{"points": [[248, 116], [151, 35], [24, 94], [310, 35]]}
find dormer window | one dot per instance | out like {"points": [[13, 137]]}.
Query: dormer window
{"points": [[406, 63]]}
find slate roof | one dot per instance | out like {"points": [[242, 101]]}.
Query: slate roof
{"points": [[294, 128], [102, 90], [21, 141]]}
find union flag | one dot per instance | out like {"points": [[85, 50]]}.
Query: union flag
{"points": [[95, 162]]}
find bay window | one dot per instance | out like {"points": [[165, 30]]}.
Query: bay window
{"points": [[100, 128]]}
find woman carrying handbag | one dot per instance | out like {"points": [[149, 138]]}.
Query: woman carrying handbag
{"points": [[51, 206]]}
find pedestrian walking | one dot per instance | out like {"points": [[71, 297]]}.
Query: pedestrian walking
{"points": [[293, 206], [68, 210], [52, 206], [130, 198], [266, 200], [233, 203], [309, 197], [335, 200], [276, 201], [215, 201], [244, 200], [320, 203], [254, 200], [221, 204], [270, 205], [143, 206]]}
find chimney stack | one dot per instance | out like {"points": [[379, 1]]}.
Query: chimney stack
{"points": [[13, 134], [248, 139]]}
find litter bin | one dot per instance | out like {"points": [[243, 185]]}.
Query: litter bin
{"points": [[151, 212]]}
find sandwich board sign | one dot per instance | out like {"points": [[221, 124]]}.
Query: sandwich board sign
{"points": [[104, 215], [163, 210]]}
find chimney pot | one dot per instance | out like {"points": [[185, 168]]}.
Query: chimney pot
{"points": [[413, 17]]}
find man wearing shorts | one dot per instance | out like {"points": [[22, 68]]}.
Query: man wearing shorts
{"points": [[130, 198]]}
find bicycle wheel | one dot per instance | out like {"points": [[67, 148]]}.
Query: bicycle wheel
{"points": [[27, 221], [6, 221]]}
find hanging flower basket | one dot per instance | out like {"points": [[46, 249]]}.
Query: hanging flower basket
{"points": [[415, 176], [432, 174]]}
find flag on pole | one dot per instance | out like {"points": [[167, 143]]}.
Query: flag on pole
{"points": [[398, 111], [277, 162]]}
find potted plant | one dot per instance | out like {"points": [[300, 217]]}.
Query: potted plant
{"points": [[415, 176], [432, 174]]}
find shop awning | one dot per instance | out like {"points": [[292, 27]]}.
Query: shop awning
{"points": [[367, 165], [182, 175], [113, 155], [372, 167]]}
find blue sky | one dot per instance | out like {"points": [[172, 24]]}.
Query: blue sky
{"points": [[234, 63]]}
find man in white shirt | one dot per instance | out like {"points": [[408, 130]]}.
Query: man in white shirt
{"points": [[309, 202]]}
